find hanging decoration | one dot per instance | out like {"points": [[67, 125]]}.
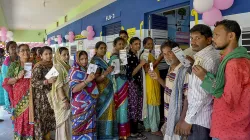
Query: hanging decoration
{"points": [[210, 9], [59, 39], [194, 13], [91, 33], [88, 33], [223, 4], [71, 37], [202, 6]]}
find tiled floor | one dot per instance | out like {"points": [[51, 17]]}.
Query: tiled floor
{"points": [[6, 129]]}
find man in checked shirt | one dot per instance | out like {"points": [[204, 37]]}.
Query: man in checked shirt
{"points": [[198, 116]]}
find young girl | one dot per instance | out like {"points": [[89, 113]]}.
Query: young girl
{"points": [[106, 123], [121, 92], [152, 91], [44, 118], [135, 90], [83, 99], [59, 95]]}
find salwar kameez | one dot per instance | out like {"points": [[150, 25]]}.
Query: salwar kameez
{"points": [[152, 100]]}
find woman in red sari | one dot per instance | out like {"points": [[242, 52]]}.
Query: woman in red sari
{"points": [[19, 87]]}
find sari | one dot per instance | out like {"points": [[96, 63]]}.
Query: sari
{"points": [[121, 99], [44, 119], [8, 100], [2, 99], [83, 104], [105, 109], [62, 116], [19, 93]]}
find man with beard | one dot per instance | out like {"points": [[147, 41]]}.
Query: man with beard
{"points": [[230, 86], [175, 84], [198, 117]]}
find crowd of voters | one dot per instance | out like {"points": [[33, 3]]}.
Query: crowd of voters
{"points": [[208, 100]]}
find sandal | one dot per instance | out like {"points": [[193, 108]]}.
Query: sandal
{"points": [[157, 133]]}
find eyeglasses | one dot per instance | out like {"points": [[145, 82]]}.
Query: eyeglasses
{"points": [[22, 51]]}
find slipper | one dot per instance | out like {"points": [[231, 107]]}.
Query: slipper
{"points": [[141, 137]]}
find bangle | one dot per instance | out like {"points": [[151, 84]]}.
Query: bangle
{"points": [[86, 83], [45, 82]]}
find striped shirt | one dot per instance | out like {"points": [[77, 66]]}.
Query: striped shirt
{"points": [[199, 101], [170, 79]]}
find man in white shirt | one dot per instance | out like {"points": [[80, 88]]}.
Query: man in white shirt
{"points": [[198, 116]]}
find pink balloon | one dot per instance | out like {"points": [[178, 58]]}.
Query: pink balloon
{"points": [[71, 37], [71, 33], [4, 29], [90, 28], [212, 16], [3, 38], [91, 35], [48, 41], [59, 39], [223, 4]]}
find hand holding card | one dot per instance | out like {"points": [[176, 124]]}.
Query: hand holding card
{"points": [[151, 66], [28, 70], [52, 73], [92, 68], [181, 56]]}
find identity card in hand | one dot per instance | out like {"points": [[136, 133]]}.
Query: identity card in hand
{"points": [[92, 68], [181, 56], [123, 57], [28, 70], [145, 55], [151, 66], [52, 73], [116, 64]]}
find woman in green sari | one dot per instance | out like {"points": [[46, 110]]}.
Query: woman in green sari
{"points": [[121, 91], [106, 123]]}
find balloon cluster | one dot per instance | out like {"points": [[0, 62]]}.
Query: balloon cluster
{"points": [[6, 35], [89, 33], [210, 9], [71, 37], [59, 39]]}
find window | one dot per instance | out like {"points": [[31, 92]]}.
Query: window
{"points": [[245, 38]]}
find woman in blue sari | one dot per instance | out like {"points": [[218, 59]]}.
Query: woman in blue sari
{"points": [[83, 99], [106, 123], [11, 50]]}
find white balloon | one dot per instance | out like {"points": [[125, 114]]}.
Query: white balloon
{"points": [[11, 38], [84, 33], [46, 42], [9, 34], [66, 37], [202, 6]]}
